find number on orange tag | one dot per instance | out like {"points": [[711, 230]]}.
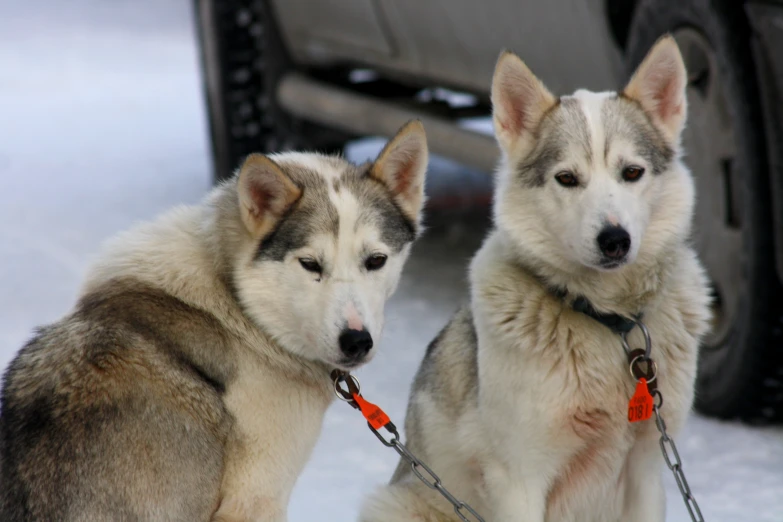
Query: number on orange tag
{"points": [[641, 406], [374, 415]]}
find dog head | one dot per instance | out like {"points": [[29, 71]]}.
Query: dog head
{"points": [[593, 179], [327, 243]]}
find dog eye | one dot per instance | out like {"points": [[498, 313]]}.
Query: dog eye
{"points": [[375, 262], [567, 179], [632, 173], [311, 265]]}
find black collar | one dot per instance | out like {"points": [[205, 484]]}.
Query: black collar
{"points": [[615, 322]]}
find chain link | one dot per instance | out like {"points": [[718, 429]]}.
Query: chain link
{"points": [[431, 480], [428, 477], [672, 458], [668, 448], [419, 468]]}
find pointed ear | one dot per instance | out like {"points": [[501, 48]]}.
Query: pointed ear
{"points": [[265, 193], [519, 99], [402, 165], [659, 85]]}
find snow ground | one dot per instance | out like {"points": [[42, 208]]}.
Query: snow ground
{"points": [[102, 125]]}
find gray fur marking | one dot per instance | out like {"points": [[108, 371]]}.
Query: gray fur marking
{"points": [[623, 116], [380, 210], [449, 375], [315, 213], [112, 383], [563, 124]]}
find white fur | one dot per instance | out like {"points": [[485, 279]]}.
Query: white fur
{"points": [[649, 211], [306, 312], [545, 438], [284, 331], [276, 401]]}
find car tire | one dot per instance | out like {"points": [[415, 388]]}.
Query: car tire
{"points": [[739, 365], [243, 59]]}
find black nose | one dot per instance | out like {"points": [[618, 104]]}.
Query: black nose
{"points": [[355, 343], [614, 242]]}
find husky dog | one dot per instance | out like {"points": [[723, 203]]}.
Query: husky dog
{"points": [[521, 402], [190, 381]]}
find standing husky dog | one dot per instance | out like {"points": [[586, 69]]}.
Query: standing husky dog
{"points": [[191, 379], [520, 404]]}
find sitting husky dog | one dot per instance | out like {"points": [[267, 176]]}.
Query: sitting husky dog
{"points": [[191, 379], [521, 402]]}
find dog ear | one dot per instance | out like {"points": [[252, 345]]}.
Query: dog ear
{"points": [[519, 99], [659, 85], [402, 165], [265, 193]]}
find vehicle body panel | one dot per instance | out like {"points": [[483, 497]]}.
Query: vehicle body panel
{"points": [[330, 30], [444, 42]]}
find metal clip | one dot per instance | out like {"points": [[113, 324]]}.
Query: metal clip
{"points": [[647, 340]]}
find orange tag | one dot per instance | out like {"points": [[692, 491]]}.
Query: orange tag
{"points": [[641, 406], [374, 415]]}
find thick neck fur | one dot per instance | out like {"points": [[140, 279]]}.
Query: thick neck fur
{"points": [[191, 253], [626, 291]]}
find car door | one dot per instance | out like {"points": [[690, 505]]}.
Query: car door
{"points": [[456, 42], [567, 43], [333, 30]]}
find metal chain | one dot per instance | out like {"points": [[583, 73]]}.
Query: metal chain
{"points": [[672, 458], [668, 447], [433, 482]]}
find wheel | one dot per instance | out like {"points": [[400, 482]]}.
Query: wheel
{"points": [[243, 59], [724, 146]]}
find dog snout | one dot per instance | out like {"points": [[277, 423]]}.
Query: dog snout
{"points": [[614, 242], [355, 344]]}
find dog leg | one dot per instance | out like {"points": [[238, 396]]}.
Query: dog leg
{"points": [[515, 499], [267, 449], [518, 503], [645, 499], [259, 509], [255, 488]]}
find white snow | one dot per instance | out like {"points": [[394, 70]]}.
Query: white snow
{"points": [[102, 124]]}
